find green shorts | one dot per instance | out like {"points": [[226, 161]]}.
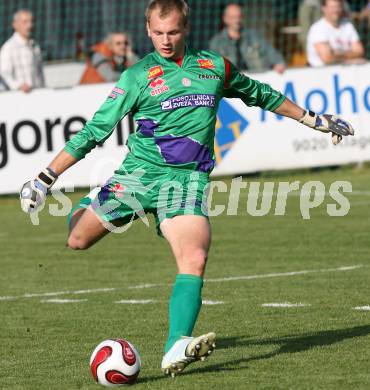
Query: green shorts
{"points": [[139, 187]]}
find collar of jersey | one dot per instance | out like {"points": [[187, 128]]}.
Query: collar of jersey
{"points": [[170, 62]]}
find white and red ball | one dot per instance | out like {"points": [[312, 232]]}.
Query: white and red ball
{"points": [[115, 363]]}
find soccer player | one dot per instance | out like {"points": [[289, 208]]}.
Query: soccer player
{"points": [[173, 94]]}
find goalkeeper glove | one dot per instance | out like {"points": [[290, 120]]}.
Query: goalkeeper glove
{"points": [[326, 123], [33, 193]]}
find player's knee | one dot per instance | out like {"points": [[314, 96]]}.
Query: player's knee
{"points": [[77, 242], [196, 260]]}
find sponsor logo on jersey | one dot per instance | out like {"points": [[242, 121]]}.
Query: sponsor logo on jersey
{"points": [[157, 83], [155, 72], [158, 87], [208, 77], [116, 92], [206, 64], [196, 100], [186, 82]]}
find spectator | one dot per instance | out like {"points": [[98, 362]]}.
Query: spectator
{"points": [[310, 12], [245, 47], [109, 59], [333, 39], [20, 57]]}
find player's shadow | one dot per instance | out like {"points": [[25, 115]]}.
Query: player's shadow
{"points": [[286, 344]]}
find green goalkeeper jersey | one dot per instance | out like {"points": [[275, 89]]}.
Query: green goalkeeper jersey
{"points": [[175, 108]]}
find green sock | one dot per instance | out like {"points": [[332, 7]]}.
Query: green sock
{"points": [[184, 307]]}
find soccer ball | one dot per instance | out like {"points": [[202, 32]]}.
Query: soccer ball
{"points": [[115, 363]]}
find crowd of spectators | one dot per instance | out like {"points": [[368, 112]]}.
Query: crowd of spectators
{"points": [[326, 33]]}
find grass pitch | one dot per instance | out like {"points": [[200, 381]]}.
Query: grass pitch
{"points": [[322, 344]]}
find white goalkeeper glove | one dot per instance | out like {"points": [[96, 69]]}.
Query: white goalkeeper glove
{"points": [[326, 123], [33, 193]]}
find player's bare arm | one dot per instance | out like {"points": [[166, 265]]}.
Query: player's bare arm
{"points": [[290, 110], [62, 161]]}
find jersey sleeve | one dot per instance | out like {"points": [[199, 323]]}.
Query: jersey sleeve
{"points": [[250, 91], [120, 102]]}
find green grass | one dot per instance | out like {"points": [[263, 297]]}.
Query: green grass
{"points": [[322, 346]]}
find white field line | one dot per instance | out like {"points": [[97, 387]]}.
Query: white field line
{"points": [[146, 301], [7, 298], [151, 285], [136, 301], [366, 193], [285, 304], [148, 285], [364, 308], [57, 293], [300, 194], [360, 203], [282, 274], [56, 300], [261, 276]]}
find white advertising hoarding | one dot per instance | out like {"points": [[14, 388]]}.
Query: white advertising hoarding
{"points": [[265, 141], [34, 127]]}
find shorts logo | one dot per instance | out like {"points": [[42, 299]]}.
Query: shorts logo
{"points": [[116, 92], [206, 64], [196, 100], [118, 189], [155, 72], [158, 87], [186, 82]]}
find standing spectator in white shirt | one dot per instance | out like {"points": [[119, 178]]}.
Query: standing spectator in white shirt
{"points": [[333, 39], [20, 56]]}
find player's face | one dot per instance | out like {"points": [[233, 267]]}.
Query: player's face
{"points": [[333, 10], [167, 34], [24, 24]]}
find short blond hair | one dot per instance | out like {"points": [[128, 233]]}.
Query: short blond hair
{"points": [[167, 6]]}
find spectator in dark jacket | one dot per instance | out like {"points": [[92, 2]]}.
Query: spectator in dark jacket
{"points": [[245, 47]]}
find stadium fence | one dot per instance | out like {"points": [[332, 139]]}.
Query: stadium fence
{"points": [[66, 29]]}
